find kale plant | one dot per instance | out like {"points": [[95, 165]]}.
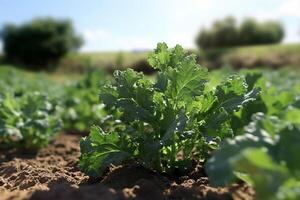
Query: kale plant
{"points": [[168, 124], [266, 156], [81, 104], [29, 121]]}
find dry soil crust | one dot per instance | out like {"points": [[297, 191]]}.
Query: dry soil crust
{"points": [[53, 174]]}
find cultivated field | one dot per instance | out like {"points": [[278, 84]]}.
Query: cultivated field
{"points": [[185, 132], [275, 56]]}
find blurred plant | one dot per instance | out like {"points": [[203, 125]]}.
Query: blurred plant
{"points": [[226, 33], [30, 121], [81, 104], [222, 34], [265, 156], [252, 32], [39, 43]]}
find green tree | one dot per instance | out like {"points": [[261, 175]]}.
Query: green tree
{"points": [[252, 32], [39, 43], [226, 33]]}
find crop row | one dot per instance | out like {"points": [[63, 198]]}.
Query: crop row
{"points": [[241, 125]]}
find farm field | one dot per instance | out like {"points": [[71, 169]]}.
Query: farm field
{"points": [[275, 56], [183, 133]]}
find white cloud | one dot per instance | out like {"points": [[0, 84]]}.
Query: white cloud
{"points": [[185, 18], [95, 34], [185, 39], [292, 38], [134, 43], [290, 8], [98, 39], [179, 9]]}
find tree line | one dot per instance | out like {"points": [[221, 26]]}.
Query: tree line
{"points": [[228, 33], [40, 43]]}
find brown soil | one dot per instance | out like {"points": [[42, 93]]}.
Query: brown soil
{"points": [[53, 174]]}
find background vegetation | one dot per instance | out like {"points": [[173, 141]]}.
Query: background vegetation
{"points": [[227, 33], [39, 43]]}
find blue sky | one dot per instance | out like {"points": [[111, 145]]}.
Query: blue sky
{"points": [[109, 25]]}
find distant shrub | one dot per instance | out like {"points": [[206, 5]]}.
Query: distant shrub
{"points": [[39, 43], [226, 33], [222, 34], [252, 32]]}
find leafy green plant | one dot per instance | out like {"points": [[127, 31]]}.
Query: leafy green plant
{"points": [[19, 82], [279, 97], [28, 122], [266, 156], [168, 124], [81, 104]]}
